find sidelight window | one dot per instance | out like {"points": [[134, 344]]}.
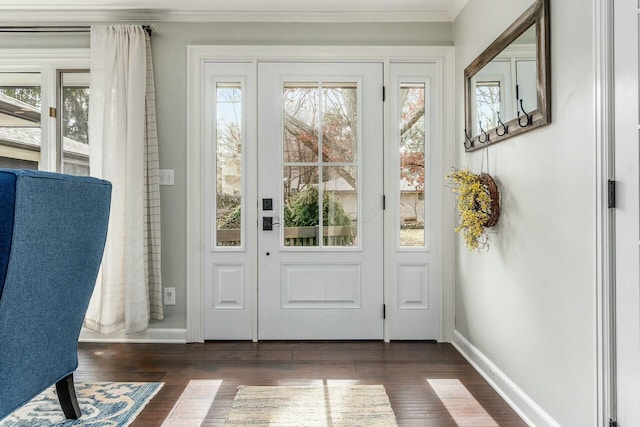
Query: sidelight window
{"points": [[412, 164], [228, 153]]}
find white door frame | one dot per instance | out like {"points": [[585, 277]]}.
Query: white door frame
{"points": [[197, 56], [605, 217]]}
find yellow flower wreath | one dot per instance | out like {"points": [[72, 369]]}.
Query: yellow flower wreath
{"points": [[478, 206]]}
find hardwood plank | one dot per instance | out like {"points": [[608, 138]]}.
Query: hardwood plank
{"points": [[201, 380]]}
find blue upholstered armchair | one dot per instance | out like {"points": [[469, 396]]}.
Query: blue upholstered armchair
{"points": [[52, 234]]}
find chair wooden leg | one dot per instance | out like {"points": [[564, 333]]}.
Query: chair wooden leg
{"points": [[67, 397]]}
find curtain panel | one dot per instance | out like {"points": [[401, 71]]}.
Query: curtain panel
{"points": [[124, 150]]}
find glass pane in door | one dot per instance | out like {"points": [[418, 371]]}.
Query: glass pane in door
{"points": [[301, 206], [340, 206], [339, 122], [412, 165], [320, 164], [228, 164], [301, 122]]}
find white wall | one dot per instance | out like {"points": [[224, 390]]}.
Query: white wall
{"points": [[528, 304]]}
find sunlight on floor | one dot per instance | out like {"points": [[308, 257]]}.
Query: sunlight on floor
{"points": [[198, 396], [193, 404], [309, 382], [463, 408]]}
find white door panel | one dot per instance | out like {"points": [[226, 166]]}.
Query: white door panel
{"points": [[413, 188], [230, 159], [321, 285]]}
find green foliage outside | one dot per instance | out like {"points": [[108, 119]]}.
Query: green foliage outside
{"points": [[28, 95], [231, 220], [75, 106], [76, 113], [302, 211]]}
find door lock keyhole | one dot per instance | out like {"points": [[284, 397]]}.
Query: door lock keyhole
{"points": [[267, 223]]}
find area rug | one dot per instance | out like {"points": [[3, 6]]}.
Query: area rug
{"points": [[352, 405], [102, 405]]}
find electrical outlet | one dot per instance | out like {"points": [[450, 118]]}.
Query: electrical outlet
{"points": [[169, 296]]}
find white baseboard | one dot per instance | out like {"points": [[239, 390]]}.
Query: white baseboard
{"points": [[519, 401], [151, 335]]}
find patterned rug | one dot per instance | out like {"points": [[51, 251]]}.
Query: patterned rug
{"points": [[353, 405], [102, 405]]}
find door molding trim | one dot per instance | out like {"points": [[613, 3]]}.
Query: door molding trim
{"points": [[198, 55], [605, 217]]}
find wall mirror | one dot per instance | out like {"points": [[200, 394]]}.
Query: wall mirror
{"points": [[507, 88]]}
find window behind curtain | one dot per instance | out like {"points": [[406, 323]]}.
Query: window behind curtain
{"points": [[23, 141], [73, 121], [20, 132]]}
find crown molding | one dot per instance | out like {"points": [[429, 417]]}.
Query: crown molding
{"points": [[456, 8], [37, 16], [50, 16]]}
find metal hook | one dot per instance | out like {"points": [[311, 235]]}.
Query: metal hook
{"points": [[486, 135], [505, 128], [468, 141], [529, 118]]}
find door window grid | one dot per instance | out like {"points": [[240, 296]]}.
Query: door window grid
{"points": [[320, 164]]}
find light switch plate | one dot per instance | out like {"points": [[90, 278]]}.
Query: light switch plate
{"points": [[166, 176]]}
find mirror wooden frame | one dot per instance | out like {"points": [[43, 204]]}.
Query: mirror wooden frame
{"points": [[538, 15]]}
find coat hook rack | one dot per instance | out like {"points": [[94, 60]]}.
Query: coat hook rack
{"points": [[468, 141], [505, 128], [529, 118], [482, 140]]}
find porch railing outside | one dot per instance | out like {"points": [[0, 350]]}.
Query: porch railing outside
{"points": [[332, 235]]}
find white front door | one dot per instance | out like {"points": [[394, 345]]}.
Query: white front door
{"points": [[320, 190], [322, 203]]}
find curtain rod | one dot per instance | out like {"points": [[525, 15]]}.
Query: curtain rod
{"points": [[57, 29]]}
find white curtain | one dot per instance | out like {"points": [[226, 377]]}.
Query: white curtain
{"points": [[124, 150]]}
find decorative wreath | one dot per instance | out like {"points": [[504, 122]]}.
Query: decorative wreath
{"points": [[478, 206]]}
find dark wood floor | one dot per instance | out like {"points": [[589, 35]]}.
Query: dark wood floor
{"points": [[428, 384]]}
